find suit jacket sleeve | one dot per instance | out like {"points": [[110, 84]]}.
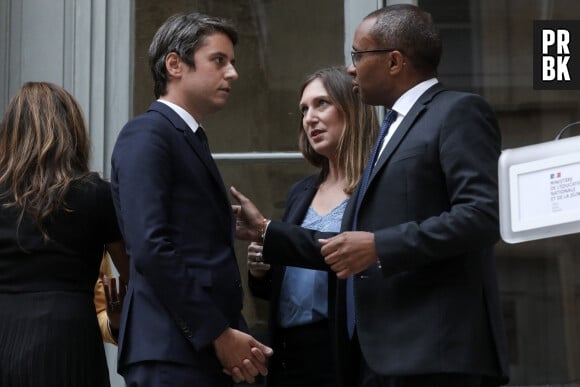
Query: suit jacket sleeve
{"points": [[298, 200], [144, 168], [291, 245], [288, 244]]}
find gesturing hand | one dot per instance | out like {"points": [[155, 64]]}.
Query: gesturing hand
{"points": [[350, 252], [249, 220]]}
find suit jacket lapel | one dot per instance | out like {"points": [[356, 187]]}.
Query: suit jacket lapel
{"points": [[203, 154], [406, 125], [192, 141], [295, 215], [298, 211], [392, 145], [347, 217]]}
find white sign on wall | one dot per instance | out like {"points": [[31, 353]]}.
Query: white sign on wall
{"points": [[539, 190]]}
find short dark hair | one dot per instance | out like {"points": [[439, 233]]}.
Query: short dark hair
{"points": [[183, 34], [410, 30]]}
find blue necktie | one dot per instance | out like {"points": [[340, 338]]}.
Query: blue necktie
{"points": [[364, 183]]}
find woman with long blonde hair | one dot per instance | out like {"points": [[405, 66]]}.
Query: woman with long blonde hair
{"points": [[335, 134], [56, 217]]}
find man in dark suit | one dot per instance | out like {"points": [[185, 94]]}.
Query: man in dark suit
{"points": [[182, 322], [423, 225]]}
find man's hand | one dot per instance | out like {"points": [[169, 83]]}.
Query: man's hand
{"points": [[249, 220], [241, 356], [350, 252]]}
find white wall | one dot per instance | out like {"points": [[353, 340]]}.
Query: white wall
{"points": [[82, 45], [354, 12]]}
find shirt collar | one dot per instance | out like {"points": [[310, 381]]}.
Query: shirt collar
{"points": [[184, 114], [408, 99]]}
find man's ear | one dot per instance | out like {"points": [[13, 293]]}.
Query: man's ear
{"points": [[396, 61], [173, 65]]}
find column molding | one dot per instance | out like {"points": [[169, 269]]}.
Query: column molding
{"points": [[83, 45], [354, 12]]}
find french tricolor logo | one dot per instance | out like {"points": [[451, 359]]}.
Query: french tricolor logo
{"points": [[556, 175]]}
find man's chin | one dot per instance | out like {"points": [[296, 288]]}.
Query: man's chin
{"points": [[219, 104]]}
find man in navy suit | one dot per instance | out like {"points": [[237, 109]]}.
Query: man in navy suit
{"points": [[418, 235], [182, 322]]}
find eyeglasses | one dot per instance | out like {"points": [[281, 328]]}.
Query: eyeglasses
{"points": [[356, 55]]}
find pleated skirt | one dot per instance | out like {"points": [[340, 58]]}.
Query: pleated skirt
{"points": [[50, 338]]}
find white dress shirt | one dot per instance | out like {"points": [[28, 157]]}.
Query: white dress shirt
{"points": [[404, 104], [184, 114]]}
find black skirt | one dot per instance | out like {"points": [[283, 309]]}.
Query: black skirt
{"points": [[50, 338]]}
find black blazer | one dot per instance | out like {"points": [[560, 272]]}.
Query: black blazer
{"points": [[178, 226], [298, 200], [432, 204]]}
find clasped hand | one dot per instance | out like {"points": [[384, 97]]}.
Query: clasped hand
{"points": [[114, 296], [241, 356]]}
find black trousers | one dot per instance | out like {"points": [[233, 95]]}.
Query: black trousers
{"points": [[165, 374], [369, 378], [303, 357]]}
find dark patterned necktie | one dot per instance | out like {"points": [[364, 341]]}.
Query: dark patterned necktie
{"points": [[202, 137], [366, 176], [364, 183]]}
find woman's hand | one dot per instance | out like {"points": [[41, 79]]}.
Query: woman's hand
{"points": [[256, 264], [115, 296]]}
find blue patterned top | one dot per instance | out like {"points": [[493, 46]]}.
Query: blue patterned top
{"points": [[304, 293]]}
